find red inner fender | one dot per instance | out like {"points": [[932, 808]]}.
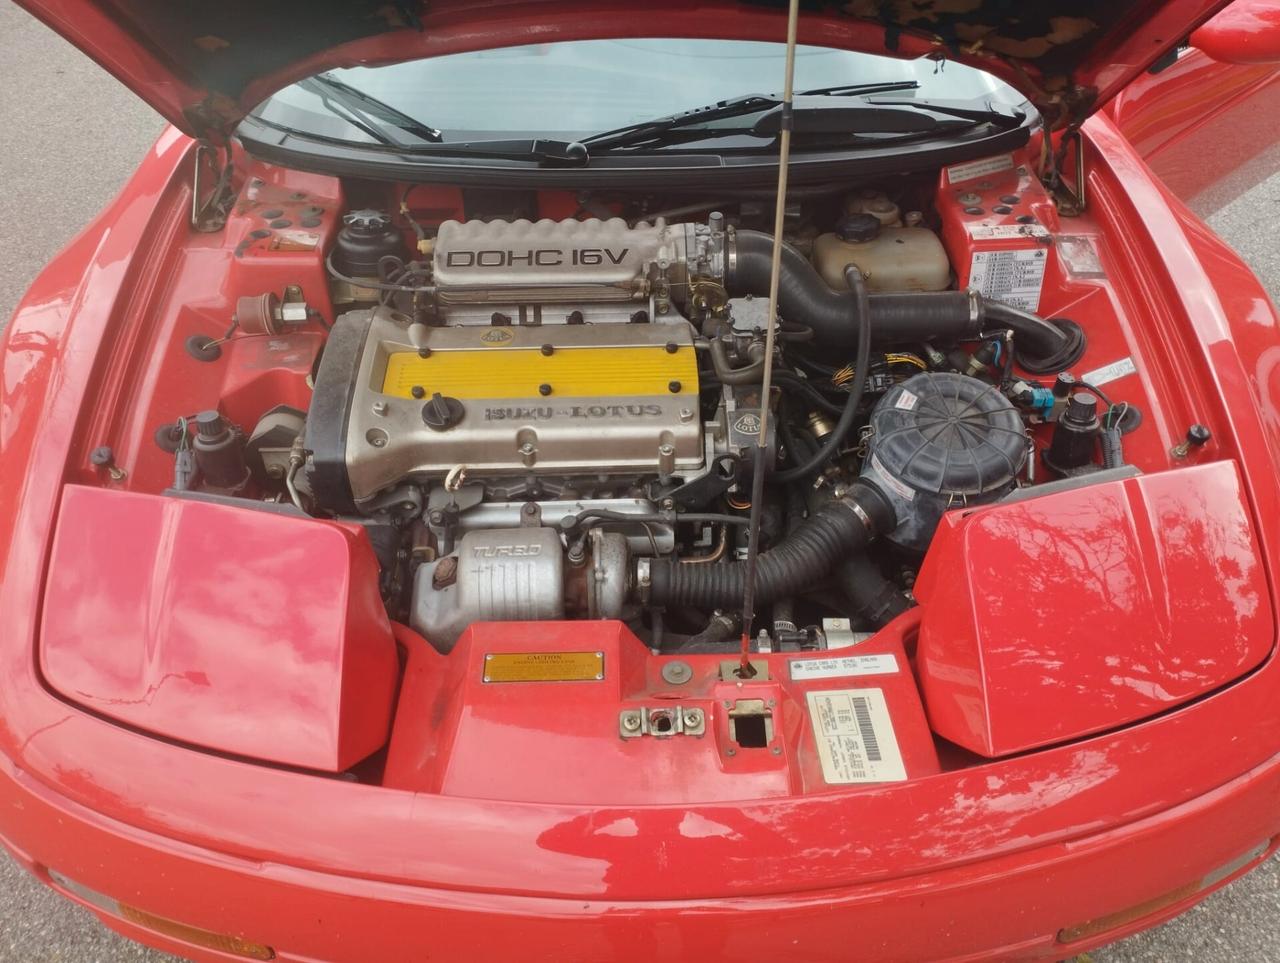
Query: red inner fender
{"points": [[240, 630], [1079, 611]]}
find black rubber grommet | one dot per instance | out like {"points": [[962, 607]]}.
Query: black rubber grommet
{"points": [[1070, 353], [169, 437], [203, 348], [1130, 420]]}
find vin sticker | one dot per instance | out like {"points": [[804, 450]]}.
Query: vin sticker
{"points": [[855, 737], [973, 169], [845, 665], [1110, 372], [1011, 277]]}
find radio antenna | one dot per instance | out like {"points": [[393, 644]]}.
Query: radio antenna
{"points": [[745, 668]]}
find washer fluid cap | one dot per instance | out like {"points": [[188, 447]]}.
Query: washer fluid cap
{"points": [[949, 434]]}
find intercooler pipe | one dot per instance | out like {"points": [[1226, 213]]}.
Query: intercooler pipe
{"points": [[804, 297], [804, 557]]}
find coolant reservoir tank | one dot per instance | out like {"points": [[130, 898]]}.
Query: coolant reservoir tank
{"points": [[890, 258]]}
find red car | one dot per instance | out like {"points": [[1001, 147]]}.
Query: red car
{"points": [[376, 482]]}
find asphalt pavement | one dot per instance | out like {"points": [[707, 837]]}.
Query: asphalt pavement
{"points": [[70, 135]]}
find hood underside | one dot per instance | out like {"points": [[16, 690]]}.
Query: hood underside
{"points": [[204, 66]]}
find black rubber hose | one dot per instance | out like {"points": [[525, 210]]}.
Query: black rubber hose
{"points": [[804, 297], [874, 598], [748, 374], [831, 444], [803, 557], [720, 630]]}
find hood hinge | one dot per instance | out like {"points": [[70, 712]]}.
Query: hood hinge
{"points": [[212, 178]]}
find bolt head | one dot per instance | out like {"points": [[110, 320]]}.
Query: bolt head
{"points": [[544, 389]]}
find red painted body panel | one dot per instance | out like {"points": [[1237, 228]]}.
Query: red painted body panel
{"points": [[460, 736], [990, 859], [1102, 66], [1210, 130], [1246, 32], [142, 624], [1023, 603]]}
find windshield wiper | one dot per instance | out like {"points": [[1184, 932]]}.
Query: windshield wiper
{"points": [[368, 114], [885, 115], [857, 111], [725, 109]]}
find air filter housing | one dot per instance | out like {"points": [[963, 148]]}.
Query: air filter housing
{"points": [[941, 441]]}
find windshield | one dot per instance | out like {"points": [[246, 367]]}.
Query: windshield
{"points": [[573, 89]]}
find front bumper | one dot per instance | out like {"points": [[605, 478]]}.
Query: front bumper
{"points": [[1011, 907]]}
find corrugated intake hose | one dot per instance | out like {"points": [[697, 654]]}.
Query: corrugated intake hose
{"points": [[805, 298], [804, 556], [872, 596]]}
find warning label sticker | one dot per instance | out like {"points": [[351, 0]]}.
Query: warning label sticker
{"points": [[883, 664], [1012, 277], [906, 401], [543, 666], [979, 168], [855, 737]]}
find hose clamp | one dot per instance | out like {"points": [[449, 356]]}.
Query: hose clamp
{"points": [[975, 308], [644, 580], [730, 252], [859, 513]]}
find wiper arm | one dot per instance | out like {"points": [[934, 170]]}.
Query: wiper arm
{"points": [[723, 109], [639, 133], [851, 90], [358, 109], [880, 115], [989, 112]]}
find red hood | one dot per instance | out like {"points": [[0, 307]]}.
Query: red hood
{"points": [[204, 66]]}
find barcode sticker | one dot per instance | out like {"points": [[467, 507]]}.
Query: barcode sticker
{"points": [[855, 736]]}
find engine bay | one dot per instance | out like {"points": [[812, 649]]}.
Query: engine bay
{"points": [[542, 412], [557, 417]]}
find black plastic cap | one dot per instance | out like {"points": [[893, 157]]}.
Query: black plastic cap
{"points": [[210, 424], [1082, 407], [1064, 384], [1198, 435], [858, 228], [441, 413]]}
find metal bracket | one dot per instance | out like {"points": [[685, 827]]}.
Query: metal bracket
{"points": [[662, 722]]}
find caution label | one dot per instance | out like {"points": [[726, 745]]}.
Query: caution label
{"points": [[855, 737], [1011, 277], [543, 666]]}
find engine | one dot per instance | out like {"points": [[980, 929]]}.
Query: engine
{"points": [[548, 419]]}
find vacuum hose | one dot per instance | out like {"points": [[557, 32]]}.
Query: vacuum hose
{"points": [[805, 298], [803, 557]]}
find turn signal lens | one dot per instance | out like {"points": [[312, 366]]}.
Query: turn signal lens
{"points": [[221, 942], [1113, 921], [194, 935]]}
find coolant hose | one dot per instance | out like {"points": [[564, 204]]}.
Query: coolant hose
{"points": [[805, 556], [805, 298], [872, 596], [831, 444]]}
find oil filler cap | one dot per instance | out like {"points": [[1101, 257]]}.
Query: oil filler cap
{"points": [[442, 413]]}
